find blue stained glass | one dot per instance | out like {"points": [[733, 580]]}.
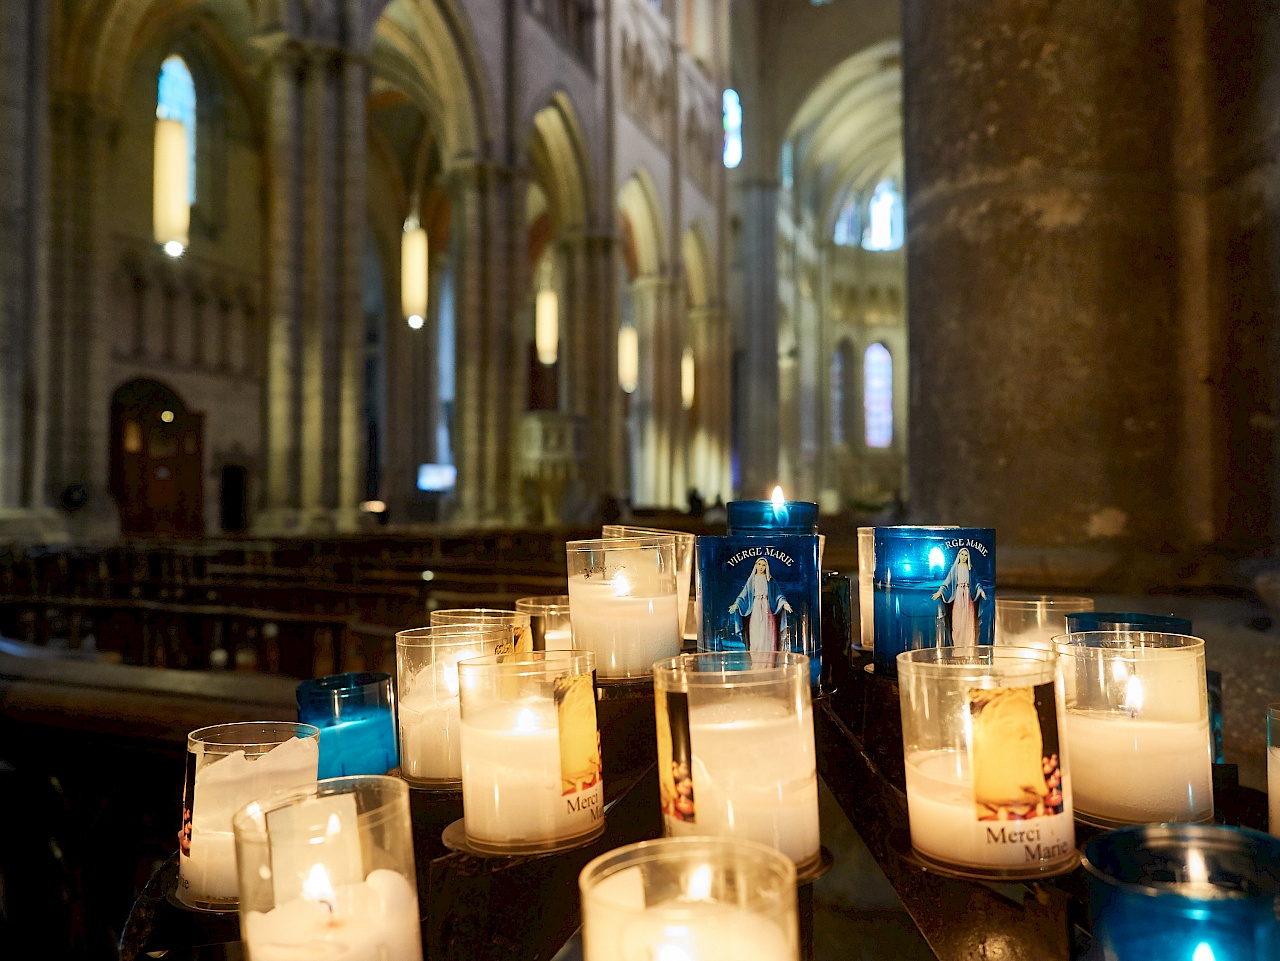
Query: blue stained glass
{"points": [[885, 219], [176, 100], [877, 395]]}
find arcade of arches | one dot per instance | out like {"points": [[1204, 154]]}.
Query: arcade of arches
{"points": [[480, 261]]}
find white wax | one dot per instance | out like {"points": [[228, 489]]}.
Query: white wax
{"points": [[1273, 789], [222, 787], [1037, 637], [511, 781], [685, 931], [374, 920], [560, 639], [430, 747], [1137, 771], [627, 634], [755, 774], [945, 825]]}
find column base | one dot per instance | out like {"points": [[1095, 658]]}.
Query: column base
{"points": [[36, 525]]}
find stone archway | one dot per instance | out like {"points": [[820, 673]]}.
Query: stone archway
{"points": [[157, 453]]}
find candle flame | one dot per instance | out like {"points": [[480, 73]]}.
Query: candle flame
{"points": [[1197, 869], [673, 952], [317, 887], [526, 721], [1203, 952], [1134, 695], [449, 675], [699, 887], [778, 499], [621, 584], [936, 557], [334, 826], [1119, 670]]}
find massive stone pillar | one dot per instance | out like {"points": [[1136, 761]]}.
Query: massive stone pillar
{"points": [[1041, 271], [756, 397], [315, 420]]}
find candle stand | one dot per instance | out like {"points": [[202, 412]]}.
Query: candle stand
{"points": [[522, 908]]}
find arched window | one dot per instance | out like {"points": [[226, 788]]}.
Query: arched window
{"points": [[884, 230], [176, 100], [848, 232], [877, 395], [732, 105], [837, 397]]}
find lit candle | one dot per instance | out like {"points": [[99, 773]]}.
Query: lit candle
{"points": [[560, 639], [512, 790], [353, 712], [754, 774], [223, 786], [372, 920], [429, 722], [698, 931], [626, 627]]}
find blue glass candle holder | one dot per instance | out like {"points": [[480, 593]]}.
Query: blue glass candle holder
{"points": [[764, 517], [1184, 892], [934, 587], [1085, 622], [357, 724]]}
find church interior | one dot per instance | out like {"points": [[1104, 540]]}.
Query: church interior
{"points": [[321, 318]]}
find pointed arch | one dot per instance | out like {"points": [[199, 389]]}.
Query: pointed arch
{"points": [[558, 151], [638, 202], [699, 280]]}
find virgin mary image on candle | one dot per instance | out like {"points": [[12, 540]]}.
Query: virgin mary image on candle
{"points": [[960, 593], [1016, 769], [759, 615]]}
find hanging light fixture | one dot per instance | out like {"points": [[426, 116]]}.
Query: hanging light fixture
{"points": [[546, 325], [686, 379], [171, 210], [628, 359], [413, 272]]}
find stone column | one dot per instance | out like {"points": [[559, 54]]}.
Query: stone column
{"points": [[315, 417], [1041, 271], [756, 396]]}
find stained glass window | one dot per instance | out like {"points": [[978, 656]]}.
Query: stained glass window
{"points": [[884, 230], [732, 128], [877, 395], [176, 100]]}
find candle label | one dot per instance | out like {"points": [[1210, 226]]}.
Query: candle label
{"points": [[581, 774], [675, 758], [188, 801], [1017, 774], [761, 593], [934, 587], [521, 641]]}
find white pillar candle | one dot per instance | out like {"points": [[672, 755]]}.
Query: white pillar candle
{"points": [[511, 778], [560, 639], [373, 920], [945, 826], [1273, 789], [222, 787], [693, 931], [430, 745], [1133, 770], [627, 632], [755, 774]]}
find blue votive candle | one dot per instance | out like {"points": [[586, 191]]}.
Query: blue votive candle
{"points": [[1184, 892], [772, 517], [934, 587], [1085, 622], [357, 727]]}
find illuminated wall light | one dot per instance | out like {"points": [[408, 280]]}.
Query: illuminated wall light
{"points": [[171, 211], [732, 108], [413, 272], [546, 325], [628, 359], [687, 370]]}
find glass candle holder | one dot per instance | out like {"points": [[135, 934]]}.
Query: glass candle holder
{"points": [[934, 587], [354, 713], [735, 749], [229, 765], [1273, 768], [516, 622], [693, 899], [768, 517], [866, 585], [531, 773], [988, 789], [1034, 620], [1184, 892], [1082, 622], [549, 621], [327, 871], [1137, 727], [430, 714], [685, 548], [623, 603]]}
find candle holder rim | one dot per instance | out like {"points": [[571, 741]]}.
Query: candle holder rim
{"points": [[907, 530], [1116, 642], [250, 822], [461, 616], [784, 665], [684, 536], [540, 663], [544, 604], [1029, 601], [346, 683], [618, 859], [1273, 710], [429, 636], [956, 662], [1220, 836], [593, 544], [300, 730]]}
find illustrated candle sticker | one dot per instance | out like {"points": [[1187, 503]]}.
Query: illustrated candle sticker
{"points": [[580, 765], [1005, 805], [675, 761]]}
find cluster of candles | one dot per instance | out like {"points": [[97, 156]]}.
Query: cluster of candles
{"points": [[301, 828]]}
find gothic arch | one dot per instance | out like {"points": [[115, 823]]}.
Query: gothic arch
{"points": [[699, 279], [559, 154], [638, 201]]}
